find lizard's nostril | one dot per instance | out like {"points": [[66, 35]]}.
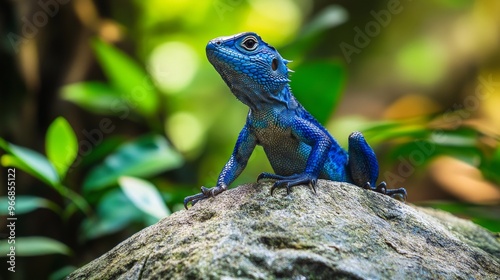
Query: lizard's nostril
{"points": [[214, 44]]}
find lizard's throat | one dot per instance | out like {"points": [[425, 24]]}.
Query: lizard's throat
{"points": [[257, 97], [251, 93]]}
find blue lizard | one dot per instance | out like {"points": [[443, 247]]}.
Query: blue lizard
{"points": [[298, 147]]}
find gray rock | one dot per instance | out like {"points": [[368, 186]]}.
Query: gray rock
{"points": [[342, 232]]}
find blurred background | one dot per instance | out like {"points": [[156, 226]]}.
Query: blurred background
{"points": [[111, 114]]}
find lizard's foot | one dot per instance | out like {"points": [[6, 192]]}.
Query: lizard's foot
{"points": [[290, 181], [398, 194], [205, 193]]}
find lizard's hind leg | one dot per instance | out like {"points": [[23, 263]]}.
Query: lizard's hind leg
{"points": [[363, 167]]}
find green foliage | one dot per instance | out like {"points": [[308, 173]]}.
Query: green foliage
{"points": [[129, 89], [312, 32], [316, 95], [61, 145], [29, 161], [405, 129], [128, 77], [35, 246], [418, 139], [101, 151], [418, 135], [144, 196], [143, 157], [41, 168], [61, 273], [488, 216], [491, 166], [114, 212], [26, 204], [146, 156], [329, 17], [97, 97]]}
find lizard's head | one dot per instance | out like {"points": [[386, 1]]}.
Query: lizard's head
{"points": [[254, 71]]}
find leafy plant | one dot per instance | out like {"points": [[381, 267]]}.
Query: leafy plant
{"points": [[112, 196], [432, 137], [130, 89], [428, 137], [147, 156], [59, 136], [313, 93]]}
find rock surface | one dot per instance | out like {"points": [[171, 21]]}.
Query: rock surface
{"points": [[342, 232]]}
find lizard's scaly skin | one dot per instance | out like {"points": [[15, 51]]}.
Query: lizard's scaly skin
{"points": [[298, 147]]}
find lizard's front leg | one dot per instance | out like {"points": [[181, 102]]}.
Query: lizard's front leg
{"points": [[242, 150], [311, 134], [363, 167]]}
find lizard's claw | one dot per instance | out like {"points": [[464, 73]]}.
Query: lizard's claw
{"points": [[290, 181], [193, 199], [205, 193], [398, 194]]}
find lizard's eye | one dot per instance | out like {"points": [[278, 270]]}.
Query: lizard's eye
{"points": [[249, 43]]}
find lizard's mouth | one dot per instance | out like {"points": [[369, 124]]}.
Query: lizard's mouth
{"points": [[220, 61]]}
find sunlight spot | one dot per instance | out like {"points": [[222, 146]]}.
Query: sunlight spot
{"points": [[173, 66], [185, 131], [423, 62], [263, 18]]}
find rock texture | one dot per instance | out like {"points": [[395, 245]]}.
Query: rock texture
{"points": [[342, 232]]}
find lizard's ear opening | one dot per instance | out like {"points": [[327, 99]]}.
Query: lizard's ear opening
{"points": [[274, 64]]}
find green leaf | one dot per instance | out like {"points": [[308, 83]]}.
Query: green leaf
{"points": [[95, 97], [62, 272], [39, 167], [145, 196], [490, 224], [106, 147], [310, 36], [490, 167], [420, 152], [146, 156], [398, 130], [31, 162], [61, 145], [34, 246], [114, 213], [327, 18], [127, 77], [75, 198], [318, 87], [25, 204], [487, 216]]}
